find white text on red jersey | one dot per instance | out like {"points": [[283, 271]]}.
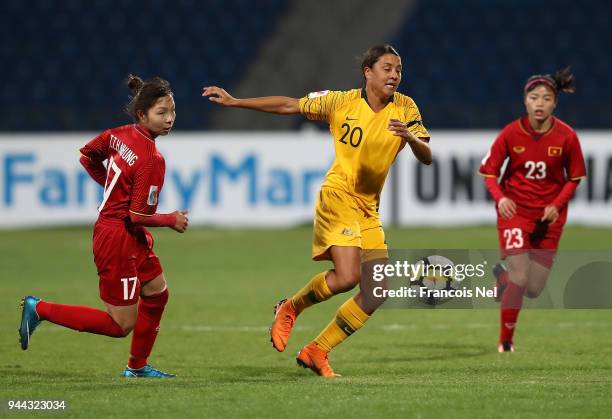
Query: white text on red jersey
{"points": [[124, 151]]}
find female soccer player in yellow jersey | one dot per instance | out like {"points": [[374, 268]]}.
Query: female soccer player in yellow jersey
{"points": [[370, 126]]}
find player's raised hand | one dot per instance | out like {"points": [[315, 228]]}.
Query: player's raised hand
{"points": [[218, 95], [181, 221], [400, 129], [551, 214], [420, 149], [507, 208]]}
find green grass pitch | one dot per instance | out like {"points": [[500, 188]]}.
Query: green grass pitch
{"points": [[223, 285]]}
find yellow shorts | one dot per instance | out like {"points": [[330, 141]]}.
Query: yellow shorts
{"points": [[344, 220]]}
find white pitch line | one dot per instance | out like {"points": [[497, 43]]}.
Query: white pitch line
{"points": [[478, 325], [392, 327], [210, 328], [396, 327]]}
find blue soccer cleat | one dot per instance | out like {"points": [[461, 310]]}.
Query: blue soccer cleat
{"points": [[29, 320], [146, 372]]}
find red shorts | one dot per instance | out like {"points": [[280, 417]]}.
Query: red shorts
{"points": [[124, 257], [527, 234]]}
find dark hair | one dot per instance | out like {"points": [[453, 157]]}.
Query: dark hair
{"points": [[561, 81], [369, 58], [145, 94]]}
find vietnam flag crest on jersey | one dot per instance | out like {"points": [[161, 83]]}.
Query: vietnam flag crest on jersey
{"points": [[153, 194], [554, 151]]}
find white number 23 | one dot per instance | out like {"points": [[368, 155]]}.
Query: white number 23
{"points": [[514, 238], [535, 169]]}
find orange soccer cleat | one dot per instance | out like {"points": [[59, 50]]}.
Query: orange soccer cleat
{"points": [[284, 317], [315, 358]]}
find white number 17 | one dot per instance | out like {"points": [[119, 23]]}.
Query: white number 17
{"points": [[108, 187], [127, 293]]}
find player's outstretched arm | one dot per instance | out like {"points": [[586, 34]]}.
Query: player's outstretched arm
{"points": [[176, 220], [181, 222], [272, 104]]}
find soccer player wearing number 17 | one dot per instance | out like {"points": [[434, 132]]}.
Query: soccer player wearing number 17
{"points": [[131, 280], [370, 126], [545, 165]]}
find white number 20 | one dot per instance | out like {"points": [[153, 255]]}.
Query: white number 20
{"points": [[514, 238], [535, 170]]}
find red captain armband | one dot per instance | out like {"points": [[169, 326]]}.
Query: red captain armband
{"points": [[155, 220]]}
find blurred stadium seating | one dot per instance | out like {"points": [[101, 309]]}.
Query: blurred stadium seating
{"points": [[469, 59], [68, 58], [466, 60]]}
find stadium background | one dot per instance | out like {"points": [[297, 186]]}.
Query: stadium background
{"points": [[465, 66]]}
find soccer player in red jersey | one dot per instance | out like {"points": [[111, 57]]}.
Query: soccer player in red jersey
{"points": [[131, 279], [544, 168]]}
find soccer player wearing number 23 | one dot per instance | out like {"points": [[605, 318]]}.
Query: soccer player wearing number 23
{"points": [[545, 165], [131, 279]]}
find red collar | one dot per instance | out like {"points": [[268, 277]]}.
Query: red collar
{"points": [[526, 125], [144, 132]]}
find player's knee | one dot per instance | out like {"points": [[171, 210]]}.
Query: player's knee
{"points": [[125, 321], [155, 287], [347, 279], [155, 301], [533, 293], [127, 325], [127, 331], [518, 274]]}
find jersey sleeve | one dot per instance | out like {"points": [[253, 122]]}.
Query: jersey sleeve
{"points": [[145, 190], [414, 122], [319, 106], [574, 164], [97, 149], [93, 155], [492, 163]]}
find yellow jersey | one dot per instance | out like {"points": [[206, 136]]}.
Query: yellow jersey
{"points": [[364, 147]]}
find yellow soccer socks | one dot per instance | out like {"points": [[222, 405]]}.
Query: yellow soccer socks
{"points": [[349, 318], [314, 292]]}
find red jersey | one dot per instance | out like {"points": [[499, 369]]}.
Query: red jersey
{"points": [[134, 173], [539, 164]]}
